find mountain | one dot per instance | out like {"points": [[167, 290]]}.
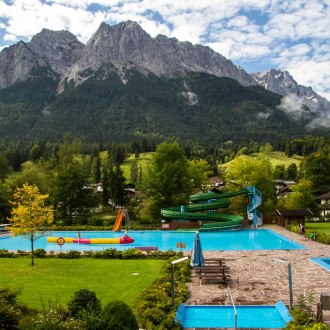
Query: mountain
{"points": [[124, 85], [282, 83], [127, 46]]}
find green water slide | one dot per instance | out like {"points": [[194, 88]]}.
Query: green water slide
{"points": [[201, 205]]}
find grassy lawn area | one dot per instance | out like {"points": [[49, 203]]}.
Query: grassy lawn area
{"points": [[144, 160], [320, 227], [275, 158], [56, 279]]}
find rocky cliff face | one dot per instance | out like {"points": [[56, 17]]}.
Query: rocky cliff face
{"points": [[281, 82], [128, 46], [60, 49], [17, 63], [54, 50]]}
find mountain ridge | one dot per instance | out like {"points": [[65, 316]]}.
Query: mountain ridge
{"points": [[124, 84]]}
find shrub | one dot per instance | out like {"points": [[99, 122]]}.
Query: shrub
{"points": [[9, 310], [154, 308], [55, 317], [6, 254], [22, 253], [302, 314], [118, 316], [40, 253], [84, 301], [72, 254]]}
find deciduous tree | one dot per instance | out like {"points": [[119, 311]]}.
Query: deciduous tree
{"points": [[30, 213], [257, 172]]}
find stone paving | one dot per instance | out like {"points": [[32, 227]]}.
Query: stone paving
{"points": [[257, 278]]}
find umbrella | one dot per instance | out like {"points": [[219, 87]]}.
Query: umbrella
{"points": [[197, 258]]}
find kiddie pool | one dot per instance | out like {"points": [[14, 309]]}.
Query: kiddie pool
{"points": [[248, 316], [323, 262]]}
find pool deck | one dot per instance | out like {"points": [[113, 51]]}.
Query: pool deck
{"points": [[258, 278]]}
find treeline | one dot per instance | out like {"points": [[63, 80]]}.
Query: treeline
{"points": [[17, 153]]}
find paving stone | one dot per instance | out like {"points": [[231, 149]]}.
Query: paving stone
{"points": [[257, 278]]}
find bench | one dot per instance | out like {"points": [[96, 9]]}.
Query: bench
{"points": [[211, 262], [214, 273]]}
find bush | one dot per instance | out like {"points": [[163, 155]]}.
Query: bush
{"points": [[83, 302], [72, 254], [118, 316], [9, 310], [40, 253], [22, 253], [302, 314], [6, 254], [55, 317], [154, 308]]}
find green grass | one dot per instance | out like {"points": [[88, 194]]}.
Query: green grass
{"points": [[57, 279], [275, 158], [144, 160], [319, 227]]}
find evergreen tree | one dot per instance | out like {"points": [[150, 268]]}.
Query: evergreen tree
{"points": [[292, 172], [105, 187], [96, 169], [134, 172]]}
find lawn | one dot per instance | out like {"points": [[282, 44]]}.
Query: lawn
{"points": [[275, 158], [319, 227], [57, 279], [144, 160]]}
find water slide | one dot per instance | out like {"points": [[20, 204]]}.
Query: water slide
{"points": [[119, 219], [207, 202]]}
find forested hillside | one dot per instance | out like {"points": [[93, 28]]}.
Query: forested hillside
{"points": [[195, 108]]}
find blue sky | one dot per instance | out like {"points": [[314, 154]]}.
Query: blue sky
{"points": [[258, 35]]}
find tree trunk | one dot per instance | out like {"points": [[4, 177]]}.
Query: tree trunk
{"points": [[32, 251]]}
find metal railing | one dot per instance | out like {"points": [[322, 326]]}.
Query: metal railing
{"points": [[231, 300]]}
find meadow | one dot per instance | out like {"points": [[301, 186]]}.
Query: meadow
{"points": [[319, 227], [55, 280], [143, 161]]}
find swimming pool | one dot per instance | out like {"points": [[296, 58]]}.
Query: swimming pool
{"points": [[251, 239], [209, 316], [323, 262]]}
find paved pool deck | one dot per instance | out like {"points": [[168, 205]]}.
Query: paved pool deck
{"points": [[257, 279]]}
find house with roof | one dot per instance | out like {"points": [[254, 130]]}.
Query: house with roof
{"points": [[284, 217], [283, 187], [324, 205]]}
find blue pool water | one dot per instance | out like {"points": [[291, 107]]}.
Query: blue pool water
{"points": [[251, 239], [208, 316], [323, 262]]}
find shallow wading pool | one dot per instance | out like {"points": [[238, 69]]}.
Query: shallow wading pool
{"points": [[209, 316], [323, 262]]}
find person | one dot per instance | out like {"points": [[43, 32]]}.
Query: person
{"points": [[78, 235], [302, 229]]}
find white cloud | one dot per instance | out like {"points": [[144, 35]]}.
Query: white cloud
{"points": [[293, 106], [9, 37], [312, 73]]}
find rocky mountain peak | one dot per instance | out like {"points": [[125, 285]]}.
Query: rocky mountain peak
{"points": [[17, 62], [59, 48], [127, 46], [281, 82]]}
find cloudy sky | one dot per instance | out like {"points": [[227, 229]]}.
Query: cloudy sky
{"points": [[291, 35]]}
